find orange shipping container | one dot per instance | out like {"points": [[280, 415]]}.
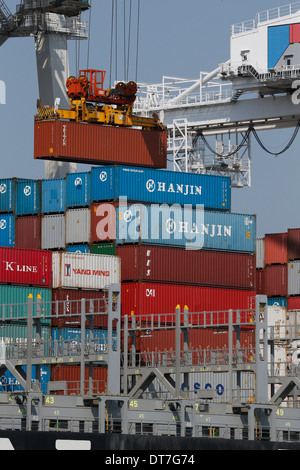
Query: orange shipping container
{"points": [[99, 144]]}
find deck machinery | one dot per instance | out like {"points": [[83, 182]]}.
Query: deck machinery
{"points": [[147, 394]]}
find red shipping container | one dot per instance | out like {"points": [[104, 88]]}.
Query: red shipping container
{"points": [[28, 232], [199, 339], [144, 299], [68, 303], [259, 282], [274, 281], [193, 267], [71, 374], [294, 33], [99, 144], [294, 303], [25, 267], [276, 248], [293, 244]]}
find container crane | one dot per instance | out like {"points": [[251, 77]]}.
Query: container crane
{"points": [[256, 89], [52, 23]]}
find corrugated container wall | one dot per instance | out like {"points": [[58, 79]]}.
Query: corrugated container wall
{"points": [[207, 268], [98, 144], [29, 267], [161, 225], [20, 196], [28, 232], [78, 189], [275, 248], [85, 271], [53, 196], [28, 197], [71, 374], [145, 298], [260, 253], [67, 302], [78, 226], [7, 194], [78, 249], [293, 244], [13, 300], [53, 232], [274, 280], [7, 230], [160, 187], [294, 278]]}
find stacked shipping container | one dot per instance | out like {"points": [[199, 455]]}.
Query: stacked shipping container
{"points": [[278, 268], [85, 216]]}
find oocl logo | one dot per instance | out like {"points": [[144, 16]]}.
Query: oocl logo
{"points": [[27, 191]]}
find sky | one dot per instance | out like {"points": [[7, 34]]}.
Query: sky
{"points": [[176, 38]]}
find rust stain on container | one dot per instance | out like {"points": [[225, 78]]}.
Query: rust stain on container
{"points": [[99, 144]]}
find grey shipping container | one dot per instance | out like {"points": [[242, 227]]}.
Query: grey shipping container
{"points": [[78, 226], [294, 278], [53, 232]]}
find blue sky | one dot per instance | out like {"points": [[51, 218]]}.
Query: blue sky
{"points": [[178, 38]]}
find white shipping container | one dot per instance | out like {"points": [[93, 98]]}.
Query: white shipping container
{"points": [[85, 271], [53, 232], [78, 226], [260, 253], [294, 278], [277, 319]]}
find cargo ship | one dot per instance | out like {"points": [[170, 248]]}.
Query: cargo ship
{"points": [[139, 315]]}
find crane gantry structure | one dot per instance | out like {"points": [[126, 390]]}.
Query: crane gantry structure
{"points": [[251, 91], [51, 23]]}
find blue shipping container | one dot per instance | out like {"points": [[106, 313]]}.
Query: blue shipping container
{"points": [[7, 195], [7, 230], [78, 249], [182, 227], [53, 196], [160, 186], [27, 197], [9, 383], [277, 302], [78, 189]]}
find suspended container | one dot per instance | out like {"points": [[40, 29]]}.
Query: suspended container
{"points": [[28, 232], [78, 189], [22, 266], [78, 226], [7, 230], [99, 144], [180, 266], [84, 271], [53, 232], [53, 196], [160, 186]]}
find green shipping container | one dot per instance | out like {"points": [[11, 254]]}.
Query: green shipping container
{"points": [[103, 249], [13, 301]]}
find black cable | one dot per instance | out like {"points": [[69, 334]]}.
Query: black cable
{"points": [[284, 149], [245, 138]]}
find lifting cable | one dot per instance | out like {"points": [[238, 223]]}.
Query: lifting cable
{"points": [[246, 139]]}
